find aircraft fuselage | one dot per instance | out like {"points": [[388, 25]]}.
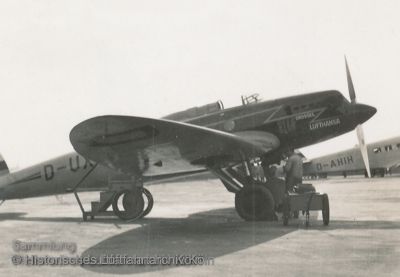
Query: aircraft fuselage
{"points": [[297, 121]]}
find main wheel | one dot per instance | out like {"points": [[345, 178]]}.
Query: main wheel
{"points": [[132, 203], [325, 209], [255, 202]]}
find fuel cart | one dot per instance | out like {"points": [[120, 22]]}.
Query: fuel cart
{"points": [[297, 201]]}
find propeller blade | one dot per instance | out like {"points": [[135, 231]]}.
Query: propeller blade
{"points": [[359, 129], [363, 148], [350, 85]]}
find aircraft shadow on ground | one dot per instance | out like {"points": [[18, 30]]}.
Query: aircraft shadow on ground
{"points": [[227, 216], [11, 216], [78, 220], [213, 234]]}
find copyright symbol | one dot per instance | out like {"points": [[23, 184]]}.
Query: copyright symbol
{"points": [[16, 260]]}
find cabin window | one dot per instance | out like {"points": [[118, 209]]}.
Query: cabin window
{"points": [[388, 148], [377, 150]]}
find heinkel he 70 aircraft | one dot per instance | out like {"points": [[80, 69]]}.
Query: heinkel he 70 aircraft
{"points": [[209, 138]]}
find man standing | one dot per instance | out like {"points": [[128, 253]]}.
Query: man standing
{"points": [[276, 185], [293, 170]]}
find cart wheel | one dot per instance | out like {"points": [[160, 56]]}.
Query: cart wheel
{"points": [[325, 209], [286, 210], [307, 219]]}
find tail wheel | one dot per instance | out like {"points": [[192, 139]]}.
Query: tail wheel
{"points": [[325, 209], [132, 203], [255, 202]]}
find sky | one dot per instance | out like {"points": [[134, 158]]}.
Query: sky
{"points": [[62, 62]]}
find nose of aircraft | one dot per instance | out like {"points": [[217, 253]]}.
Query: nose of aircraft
{"points": [[364, 112]]}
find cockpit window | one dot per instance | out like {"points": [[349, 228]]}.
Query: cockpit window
{"points": [[377, 150], [388, 148]]}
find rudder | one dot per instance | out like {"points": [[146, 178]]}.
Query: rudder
{"points": [[3, 166]]}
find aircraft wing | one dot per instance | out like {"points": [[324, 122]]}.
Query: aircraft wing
{"points": [[135, 145]]}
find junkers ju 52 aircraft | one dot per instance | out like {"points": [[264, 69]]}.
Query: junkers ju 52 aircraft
{"points": [[384, 156], [208, 138]]}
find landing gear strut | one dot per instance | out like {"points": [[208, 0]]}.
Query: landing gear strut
{"points": [[132, 199], [131, 207]]}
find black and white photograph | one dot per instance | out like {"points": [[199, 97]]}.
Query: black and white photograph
{"points": [[199, 138]]}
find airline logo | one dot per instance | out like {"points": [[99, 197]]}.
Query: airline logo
{"points": [[324, 123]]}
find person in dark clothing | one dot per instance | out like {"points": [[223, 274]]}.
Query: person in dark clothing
{"points": [[275, 185], [293, 169]]}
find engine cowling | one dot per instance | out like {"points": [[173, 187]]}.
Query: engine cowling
{"points": [[196, 112]]}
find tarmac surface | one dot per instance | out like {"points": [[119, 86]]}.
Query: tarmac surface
{"points": [[198, 218]]}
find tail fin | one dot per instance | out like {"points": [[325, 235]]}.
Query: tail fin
{"points": [[3, 167]]}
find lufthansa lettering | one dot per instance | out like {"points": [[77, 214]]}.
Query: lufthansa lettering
{"points": [[324, 123]]}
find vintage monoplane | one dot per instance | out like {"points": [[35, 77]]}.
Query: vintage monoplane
{"points": [[208, 138]]}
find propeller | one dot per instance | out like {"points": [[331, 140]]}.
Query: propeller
{"points": [[359, 129]]}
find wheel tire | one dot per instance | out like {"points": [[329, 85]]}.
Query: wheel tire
{"points": [[150, 202], [255, 202], [325, 209], [132, 203]]}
